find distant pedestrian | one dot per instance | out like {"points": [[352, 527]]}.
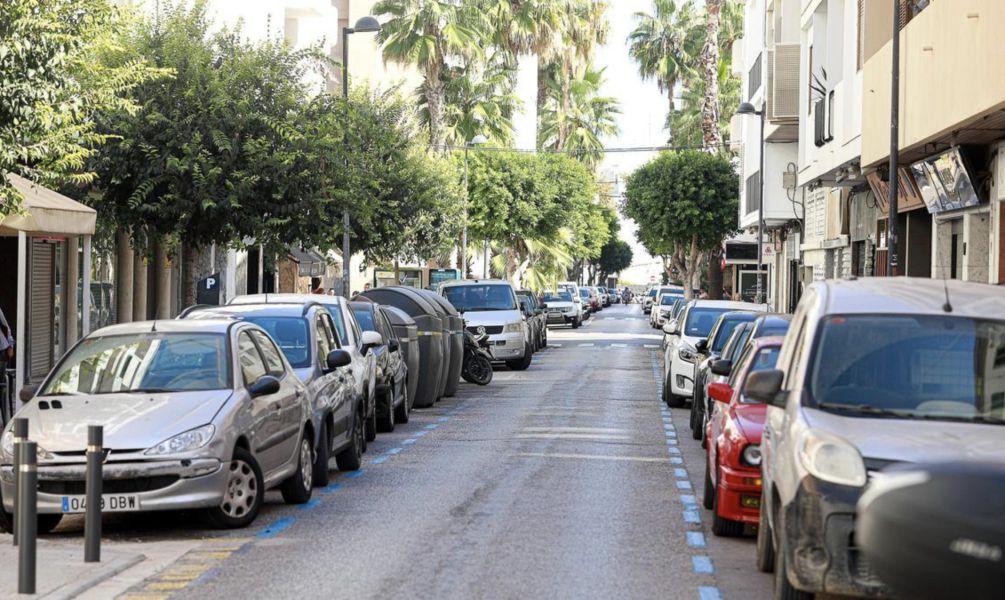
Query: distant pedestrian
{"points": [[316, 286], [331, 291], [366, 287], [703, 294]]}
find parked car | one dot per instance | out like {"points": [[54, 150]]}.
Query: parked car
{"points": [[363, 366], [563, 309], [733, 452], [574, 291], [595, 301], [589, 307], [665, 301], [649, 299], [392, 373], [709, 350], [492, 304], [694, 324], [203, 415], [536, 319], [605, 296], [872, 373], [306, 335]]}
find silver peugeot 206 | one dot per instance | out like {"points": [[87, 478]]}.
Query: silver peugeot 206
{"points": [[201, 414]]}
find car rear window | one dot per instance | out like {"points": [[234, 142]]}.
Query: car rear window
{"points": [[292, 336]]}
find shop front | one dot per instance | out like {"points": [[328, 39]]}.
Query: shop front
{"points": [[46, 261]]}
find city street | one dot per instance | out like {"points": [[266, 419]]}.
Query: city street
{"points": [[562, 481]]}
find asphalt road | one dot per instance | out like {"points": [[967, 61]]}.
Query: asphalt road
{"points": [[563, 481]]}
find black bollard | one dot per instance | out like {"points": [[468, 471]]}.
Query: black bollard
{"points": [[27, 517], [20, 435], [92, 514]]}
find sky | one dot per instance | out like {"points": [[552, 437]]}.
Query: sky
{"points": [[643, 110]]}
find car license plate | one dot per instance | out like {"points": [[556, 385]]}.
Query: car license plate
{"points": [[109, 503]]}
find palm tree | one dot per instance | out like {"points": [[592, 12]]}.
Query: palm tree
{"points": [[426, 33], [576, 117], [665, 44], [478, 99], [685, 122], [711, 136]]}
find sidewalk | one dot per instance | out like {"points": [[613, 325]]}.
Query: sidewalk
{"points": [[62, 572]]}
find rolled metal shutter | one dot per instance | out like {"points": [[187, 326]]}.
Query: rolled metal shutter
{"points": [[40, 311]]}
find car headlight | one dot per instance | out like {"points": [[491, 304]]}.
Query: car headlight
{"points": [[687, 355], [830, 458], [192, 439], [7, 448], [513, 327], [751, 455]]}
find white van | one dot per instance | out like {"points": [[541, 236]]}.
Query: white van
{"points": [[491, 305]]}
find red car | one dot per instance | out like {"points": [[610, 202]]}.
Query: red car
{"points": [[733, 461]]}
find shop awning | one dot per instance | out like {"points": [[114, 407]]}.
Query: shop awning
{"points": [[47, 212]]}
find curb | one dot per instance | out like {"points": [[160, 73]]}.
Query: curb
{"points": [[109, 570]]}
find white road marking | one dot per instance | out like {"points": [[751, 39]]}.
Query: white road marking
{"points": [[588, 345], [595, 457], [571, 436], [650, 345], [573, 429], [619, 345]]}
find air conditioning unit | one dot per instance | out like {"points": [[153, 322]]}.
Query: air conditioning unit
{"points": [[783, 82]]}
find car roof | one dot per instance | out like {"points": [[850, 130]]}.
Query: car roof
{"points": [[240, 311], [217, 325], [747, 306], [911, 295], [460, 282], [286, 299]]}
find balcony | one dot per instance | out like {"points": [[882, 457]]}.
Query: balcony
{"points": [[952, 85]]}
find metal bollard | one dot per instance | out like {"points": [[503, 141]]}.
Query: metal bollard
{"points": [[92, 514], [27, 517], [20, 435]]}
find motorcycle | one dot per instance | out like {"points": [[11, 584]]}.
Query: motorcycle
{"points": [[477, 365]]}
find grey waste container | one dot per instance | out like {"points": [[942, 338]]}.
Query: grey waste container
{"points": [[407, 331], [448, 347], [456, 327], [429, 332]]}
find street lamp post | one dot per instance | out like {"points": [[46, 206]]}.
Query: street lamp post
{"points": [[747, 108], [478, 140], [891, 223], [365, 24]]}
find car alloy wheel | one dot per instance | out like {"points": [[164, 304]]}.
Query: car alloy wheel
{"points": [[306, 464]]}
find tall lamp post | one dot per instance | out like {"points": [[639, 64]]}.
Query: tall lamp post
{"points": [[365, 24], [478, 140], [747, 108], [891, 222]]}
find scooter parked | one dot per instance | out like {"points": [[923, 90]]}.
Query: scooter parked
{"points": [[477, 366]]}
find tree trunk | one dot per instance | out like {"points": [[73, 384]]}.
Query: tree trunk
{"points": [[715, 274], [711, 136], [434, 102]]}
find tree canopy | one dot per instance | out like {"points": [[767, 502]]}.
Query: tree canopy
{"points": [[615, 256]]}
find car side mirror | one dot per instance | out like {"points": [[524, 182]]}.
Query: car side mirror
{"points": [[720, 392], [28, 392], [337, 358], [671, 328], [392, 345], [371, 339], [765, 387], [702, 346], [265, 385], [722, 367]]}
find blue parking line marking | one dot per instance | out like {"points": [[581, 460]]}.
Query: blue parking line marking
{"points": [[706, 592], [674, 450], [702, 564], [380, 459], [671, 441], [688, 499], [696, 539], [313, 503], [355, 474], [276, 527], [676, 460], [334, 487], [409, 441], [419, 434], [394, 450], [432, 426], [692, 516], [683, 484], [681, 473], [443, 419]]}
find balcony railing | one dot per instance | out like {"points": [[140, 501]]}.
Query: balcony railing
{"points": [[754, 77]]}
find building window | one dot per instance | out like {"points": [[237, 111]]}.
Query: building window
{"points": [[753, 193]]}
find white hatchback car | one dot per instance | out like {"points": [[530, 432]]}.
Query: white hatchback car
{"points": [[682, 333]]}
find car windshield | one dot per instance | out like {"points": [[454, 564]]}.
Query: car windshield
{"points": [[557, 297], [651, 293], [766, 358], [925, 367], [143, 362], [481, 297], [725, 329], [291, 335], [365, 320], [584, 293], [669, 300]]}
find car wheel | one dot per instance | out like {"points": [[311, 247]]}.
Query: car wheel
{"points": [[708, 496], [401, 413], [765, 546], [386, 422], [783, 589], [351, 458], [244, 494], [297, 489], [521, 364], [321, 456], [46, 523], [576, 323], [697, 418], [371, 427], [673, 400]]}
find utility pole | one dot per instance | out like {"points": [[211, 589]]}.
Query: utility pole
{"points": [[891, 229]]}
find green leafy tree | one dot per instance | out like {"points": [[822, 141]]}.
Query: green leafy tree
{"points": [[59, 64], [615, 256], [685, 204], [665, 45]]}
